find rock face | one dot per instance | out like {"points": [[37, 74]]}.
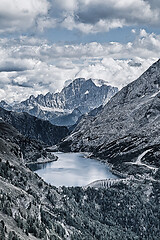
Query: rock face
{"points": [[5, 105], [65, 107], [127, 126], [33, 127]]}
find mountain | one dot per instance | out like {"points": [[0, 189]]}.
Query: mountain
{"points": [[126, 132], [33, 127], [32, 209], [123, 132], [65, 107], [27, 149]]}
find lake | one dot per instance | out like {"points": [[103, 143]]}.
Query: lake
{"points": [[72, 169]]}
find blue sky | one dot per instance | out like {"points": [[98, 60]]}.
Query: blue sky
{"points": [[122, 35], [43, 43]]}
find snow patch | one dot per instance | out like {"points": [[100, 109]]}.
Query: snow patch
{"points": [[86, 92], [99, 82], [48, 109]]}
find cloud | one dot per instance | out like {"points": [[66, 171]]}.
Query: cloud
{"points": [[17, 15], [87, 16], [33, 66], [115, 72], [136, 11], [92, 16], [15, 65], [30, 65], [70, 5], [153, 3], [134, 63]]}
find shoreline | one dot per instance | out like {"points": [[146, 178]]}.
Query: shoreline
{"points": [[111, 166], [42, 161]]}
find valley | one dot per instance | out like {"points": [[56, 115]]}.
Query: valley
{"points": [[123, 134]]}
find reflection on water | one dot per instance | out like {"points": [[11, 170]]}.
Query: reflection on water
{"points": [[34, 167], [72, 169]]}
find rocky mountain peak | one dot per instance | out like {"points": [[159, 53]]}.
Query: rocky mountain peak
{"points": [[81, 94]]}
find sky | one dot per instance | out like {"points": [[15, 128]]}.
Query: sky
{"points": [[43, 43]]}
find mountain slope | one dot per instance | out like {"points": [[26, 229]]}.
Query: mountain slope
{"points": [[65, 107], [31, 209], [127, 126], [12, 142], [33, 127]]}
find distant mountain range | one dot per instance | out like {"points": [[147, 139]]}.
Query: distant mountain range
{"points": [[64, 108]]}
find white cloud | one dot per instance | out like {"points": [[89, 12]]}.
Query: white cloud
{"points": [[103, 25], [88, 16], [116, 72], [143, 33], [32, 66], [92, 16], [19, 15]]}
